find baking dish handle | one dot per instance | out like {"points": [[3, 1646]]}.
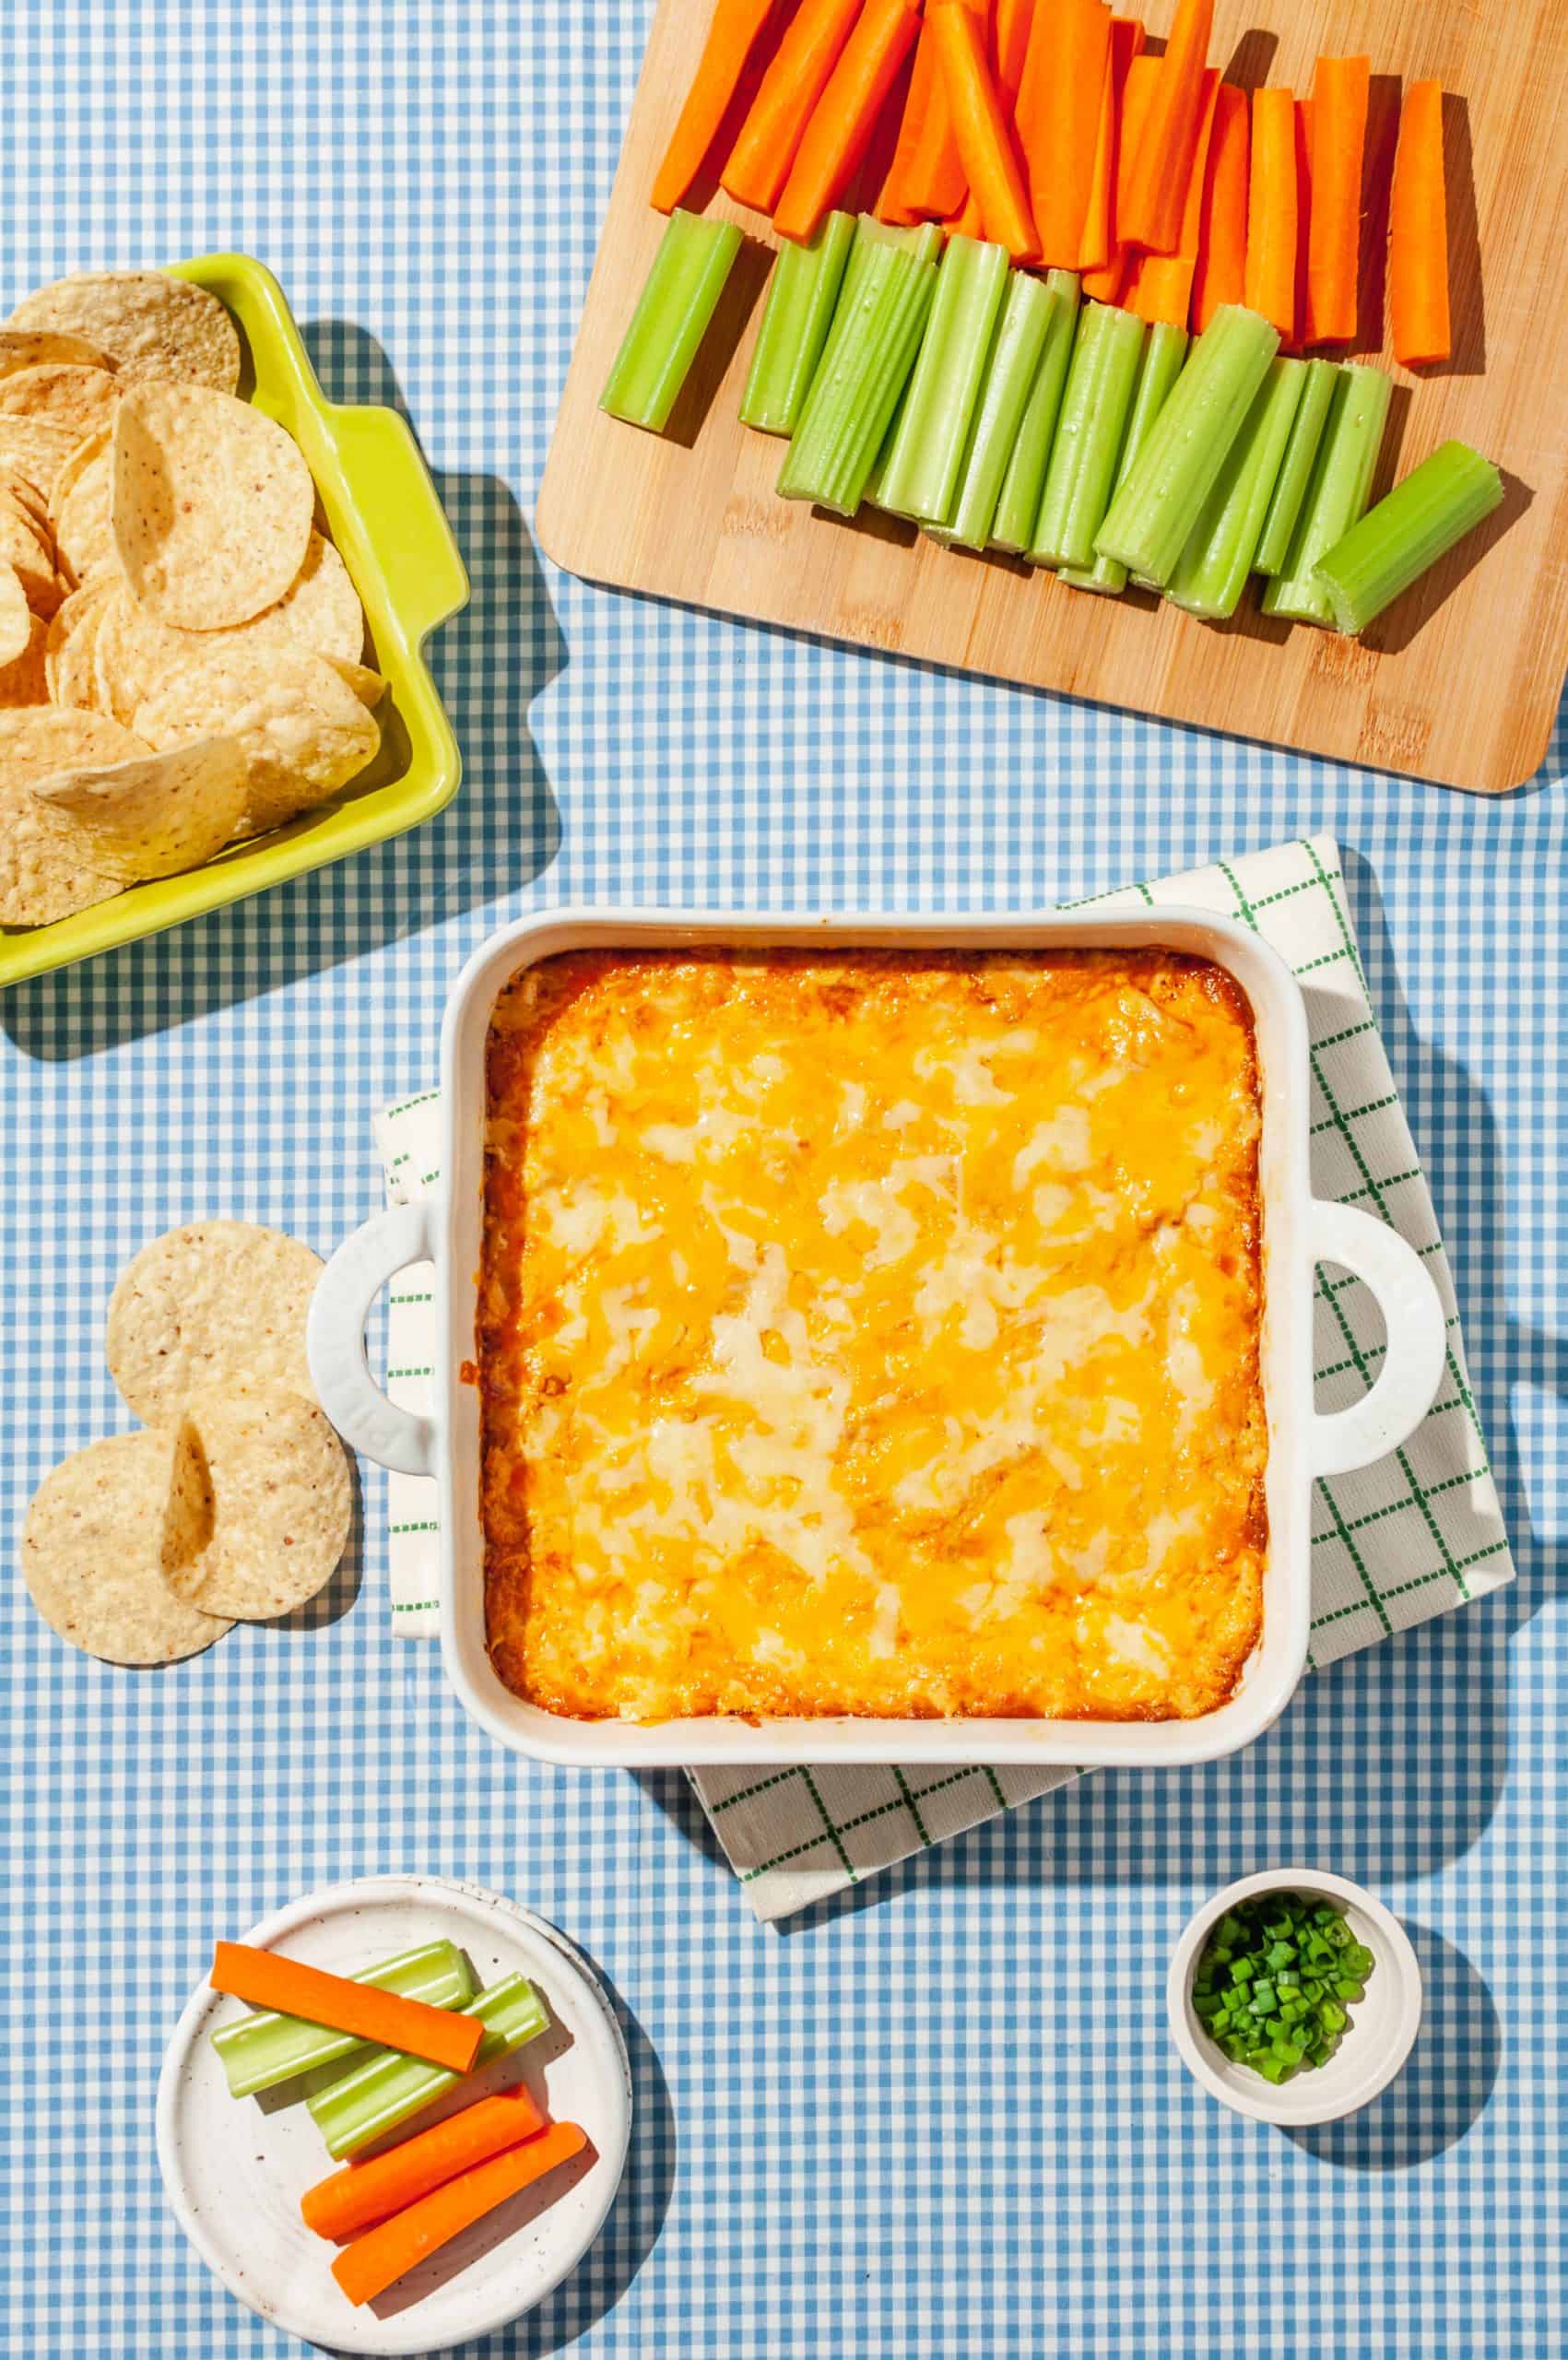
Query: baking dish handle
{"points": [[335, 1339], [1390, 1411]]}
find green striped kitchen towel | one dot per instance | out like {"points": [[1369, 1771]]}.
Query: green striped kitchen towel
{"points": [[1394, 1544]]}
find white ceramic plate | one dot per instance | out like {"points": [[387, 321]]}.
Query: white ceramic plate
{"points": [[235, 2169]]}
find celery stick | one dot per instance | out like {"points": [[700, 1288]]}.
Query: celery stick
{"points": [[1419, 521], [796, 320], [671, 319], [1017, 504], [1295, 474], [1342, 479], [264, 2048], [921, 476], [1151, 517], [1106, 352], [1009, 374], [864, 367], [354, 2107], [1164, 356], [1212, 571]]}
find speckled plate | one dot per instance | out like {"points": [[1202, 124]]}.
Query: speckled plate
{"points": [[235, 2169]]}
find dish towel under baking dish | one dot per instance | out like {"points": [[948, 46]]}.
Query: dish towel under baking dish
{"points": [[1393, 1545]]}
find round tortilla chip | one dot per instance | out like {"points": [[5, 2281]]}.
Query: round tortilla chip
{"points": [[19, 351], [211, 504], [79, 511], [24, 682], [61, 393], [47, 870], [367, 685], [280, 1502], [154, 815], [153, 326], [35, 450], [216, 1303], [68, 648], [304, 731], [92, 1551], [131, 652], [15, 616], [21, 545]]}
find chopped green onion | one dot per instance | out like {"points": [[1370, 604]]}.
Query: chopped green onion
{"points": [[678, 302], [1153, 516], [1164, 356], [1017, 504], [1419, 521], [802, 294], [921, 476], [1107, 350], [1250, 1999], [1009, 375], [1213, 569], [1295, 472], [354, 2107], [864, 367], [263, 2048], [1337, 495]]}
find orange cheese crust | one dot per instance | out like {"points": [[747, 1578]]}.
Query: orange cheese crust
{"points": [[872, 1333]]}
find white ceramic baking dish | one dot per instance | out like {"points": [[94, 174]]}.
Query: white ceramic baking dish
{"points": [[1299, 1230]]}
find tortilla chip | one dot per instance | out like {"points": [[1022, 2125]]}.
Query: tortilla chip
{"points": [[24, 682], [367, 685], [31, 351], [153, 326], [92, 1551], [61, 393], [154, 815], [304, 731], [15, 616], [211, 504], [79, 511], [22, 546], [47, 869], [25, 495], [34, 450], [68, 648], [216, 1303], [279, 1501]]}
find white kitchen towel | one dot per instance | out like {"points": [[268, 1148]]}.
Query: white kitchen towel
{"points": [[1393, 1545]]}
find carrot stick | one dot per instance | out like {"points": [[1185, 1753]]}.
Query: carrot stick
{"points": [[1058, 120], [846, 115], [1014, 20], [757, 165], [1221, 276], [1271, 210], [1339, 93], [966, 222], [1304, 335], [387, 2253], [1417, 233], [266, 1979], [1098, 242], [351, 2199], [926, 181], [1160, 286], [984, 149], [731, 37], [1156, 184], [1105, 285]]}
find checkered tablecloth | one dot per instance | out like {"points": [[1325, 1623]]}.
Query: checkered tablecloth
{"points": [[938, 2115], [1415, 1534]]}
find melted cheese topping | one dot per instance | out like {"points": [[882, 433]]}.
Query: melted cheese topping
{"points": [[872, 1335]]}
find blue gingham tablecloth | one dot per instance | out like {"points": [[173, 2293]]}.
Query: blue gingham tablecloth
{"points": [[941, 2115]]}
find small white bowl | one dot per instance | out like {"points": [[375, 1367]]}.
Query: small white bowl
{"points": [[1374, 2044]]}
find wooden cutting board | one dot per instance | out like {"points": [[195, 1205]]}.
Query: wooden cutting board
{"points": [[1459, 682]]}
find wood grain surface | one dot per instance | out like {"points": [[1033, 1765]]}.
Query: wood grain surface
{"points": [[1458, 683]]}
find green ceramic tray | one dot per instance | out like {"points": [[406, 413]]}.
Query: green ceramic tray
{"points": [[388, 523]]}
